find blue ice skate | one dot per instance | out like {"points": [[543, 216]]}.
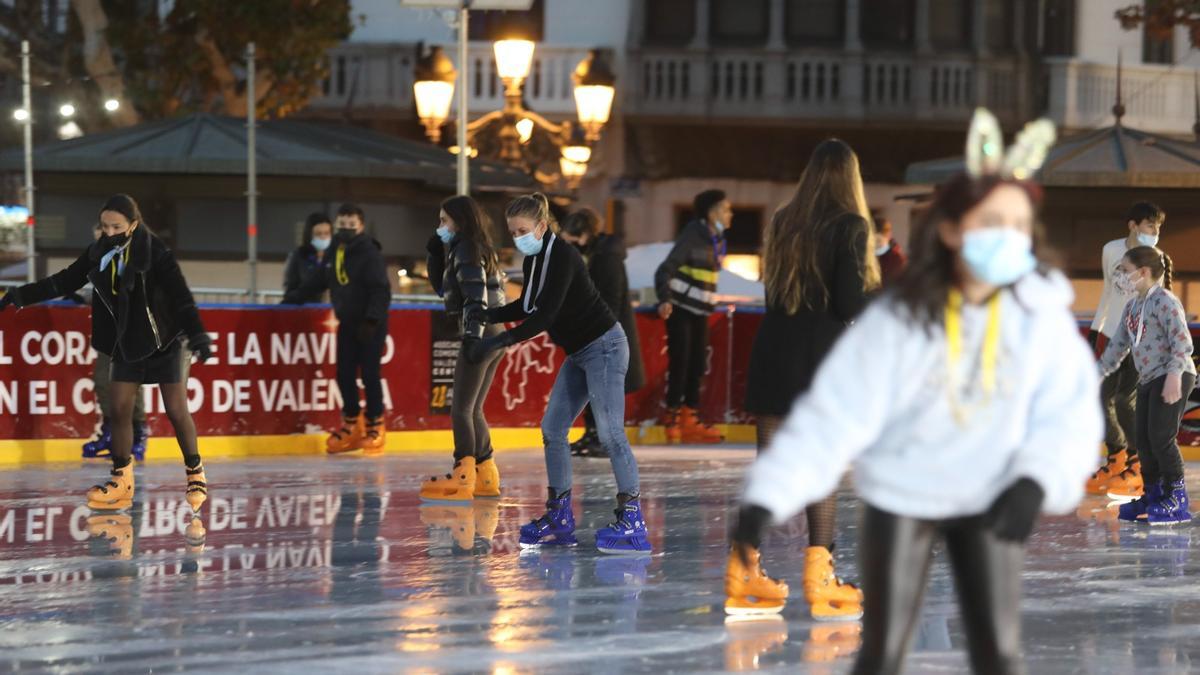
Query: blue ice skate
{"points": [[1135, 511], [555, 528], [101, 446], [140, 436], [627, 534], [1172, 507]]}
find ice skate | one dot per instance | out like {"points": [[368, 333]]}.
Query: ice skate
{"points": [[673, 430], [347, 439], [197, 488], [487, 478], [626, 534], [1113, 466], [829, 642], [141, 436], [555, 528], [374, 437], [115, 494], [693, 431], [749, 641], [459, 520], [116, 529], [100, 444], [749, 591], [1134, 511], [1128, 484], [456, 486], [1172, 507], [829, 598]]}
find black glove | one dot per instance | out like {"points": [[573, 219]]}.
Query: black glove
{"points": [[366, 331], [10, 298], [1012, 515], [435, 247], [475, 314], [747, 532], [477, 350], [201, 347]]}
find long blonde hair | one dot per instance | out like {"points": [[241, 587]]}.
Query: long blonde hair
{"points": [[829, 189]]}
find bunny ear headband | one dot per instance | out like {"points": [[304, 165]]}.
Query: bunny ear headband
{"points": [[985, 147]]}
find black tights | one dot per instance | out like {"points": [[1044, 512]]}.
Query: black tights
{"points": [[821, 515], [175, 403], [894, 557]]}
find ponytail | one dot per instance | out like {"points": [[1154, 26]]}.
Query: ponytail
{"points": [[534, 206]]}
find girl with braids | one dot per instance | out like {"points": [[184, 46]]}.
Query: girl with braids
{"points": [[819, 266], [560, 299], [141, 306], [965, 399], [1154, 332], [464, 270]]}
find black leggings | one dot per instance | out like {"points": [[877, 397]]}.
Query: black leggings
{"points": [[472, 438], [354, 356], [894, 557], [1117, 394], [1157, 429], [687, 353]]}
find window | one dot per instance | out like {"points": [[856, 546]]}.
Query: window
{"points": [[887, 23], [819, 22], [1058, 33], [1158, 42], [739, 23], [492, 25], [950, 23], [670, 22], [998, 25]]}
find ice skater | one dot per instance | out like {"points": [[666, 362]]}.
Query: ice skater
{"points": [[819, 265], [957, 427], [560, 299], [1154, 335], [464, 270], [141, 308]]}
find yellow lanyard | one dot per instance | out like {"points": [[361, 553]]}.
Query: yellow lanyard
{"points": [[988, 355], [340, 266]]}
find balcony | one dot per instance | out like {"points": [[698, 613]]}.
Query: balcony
{"points": [[1158, 99], [379, 77], [834, 86]]}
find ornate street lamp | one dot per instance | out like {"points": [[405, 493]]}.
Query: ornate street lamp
{"points": [[434, 91], [595, 86]]}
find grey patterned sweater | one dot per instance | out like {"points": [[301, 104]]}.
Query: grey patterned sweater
{"points": [[1155, 329]]}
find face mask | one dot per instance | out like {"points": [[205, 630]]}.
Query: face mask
{"points": [[998, 256], [1147, 239], [345, 235], [1124, 282], [111, 241], [320, 244], [882, 249], [445, 234], [528, 245], [720, 227]]}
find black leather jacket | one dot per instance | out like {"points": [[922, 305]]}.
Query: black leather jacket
{"points": [[458, 276]]}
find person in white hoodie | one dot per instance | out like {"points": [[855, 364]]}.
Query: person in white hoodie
{"points": [[972, 368]]}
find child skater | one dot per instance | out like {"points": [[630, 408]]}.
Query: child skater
{"points": [[1154, 328], [940, 372], [141, 306], [560, 299]]}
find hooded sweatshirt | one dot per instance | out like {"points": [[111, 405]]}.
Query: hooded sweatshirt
{"points": [[880, 402]]}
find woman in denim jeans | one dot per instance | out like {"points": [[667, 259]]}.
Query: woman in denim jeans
{"points": [[559, 298]]}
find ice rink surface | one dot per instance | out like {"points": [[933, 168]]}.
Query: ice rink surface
{"points": [[328, 565]]}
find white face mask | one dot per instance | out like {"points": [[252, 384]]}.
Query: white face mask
{"points": [[1124, 282], [883, 248]]}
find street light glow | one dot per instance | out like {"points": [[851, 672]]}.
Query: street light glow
{"points": [[112, 104], [21, 115], [513, 59], [525, 130], [66, 110]]}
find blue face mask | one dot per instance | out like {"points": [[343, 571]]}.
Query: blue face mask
{"points": [[1147, 239], [998, 256], [445, 234], [528, 244], [320, 244], [719, 226]]}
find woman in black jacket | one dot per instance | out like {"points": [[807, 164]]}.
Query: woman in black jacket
{"points": [[141, 306], [605, 258], [464, 270], [819, 264], [309, 261]]}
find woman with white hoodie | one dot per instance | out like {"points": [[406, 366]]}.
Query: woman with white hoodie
{"points": [[965, 399]]}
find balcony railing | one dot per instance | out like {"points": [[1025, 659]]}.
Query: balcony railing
{"points": [[836, 85], [1158, 99]]}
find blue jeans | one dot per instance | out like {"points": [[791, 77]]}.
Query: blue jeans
{"points": [[595, 375]]}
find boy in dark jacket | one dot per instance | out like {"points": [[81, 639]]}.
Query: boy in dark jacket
{"points": [[361, 294], [686, 283]]}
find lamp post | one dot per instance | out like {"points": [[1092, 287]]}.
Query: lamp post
{"points": [[513, 126]]}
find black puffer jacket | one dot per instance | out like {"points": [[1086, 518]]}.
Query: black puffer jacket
{"points": [[459, 276], [605, 259], [150, 306], [301, 266], [357, 282]]}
